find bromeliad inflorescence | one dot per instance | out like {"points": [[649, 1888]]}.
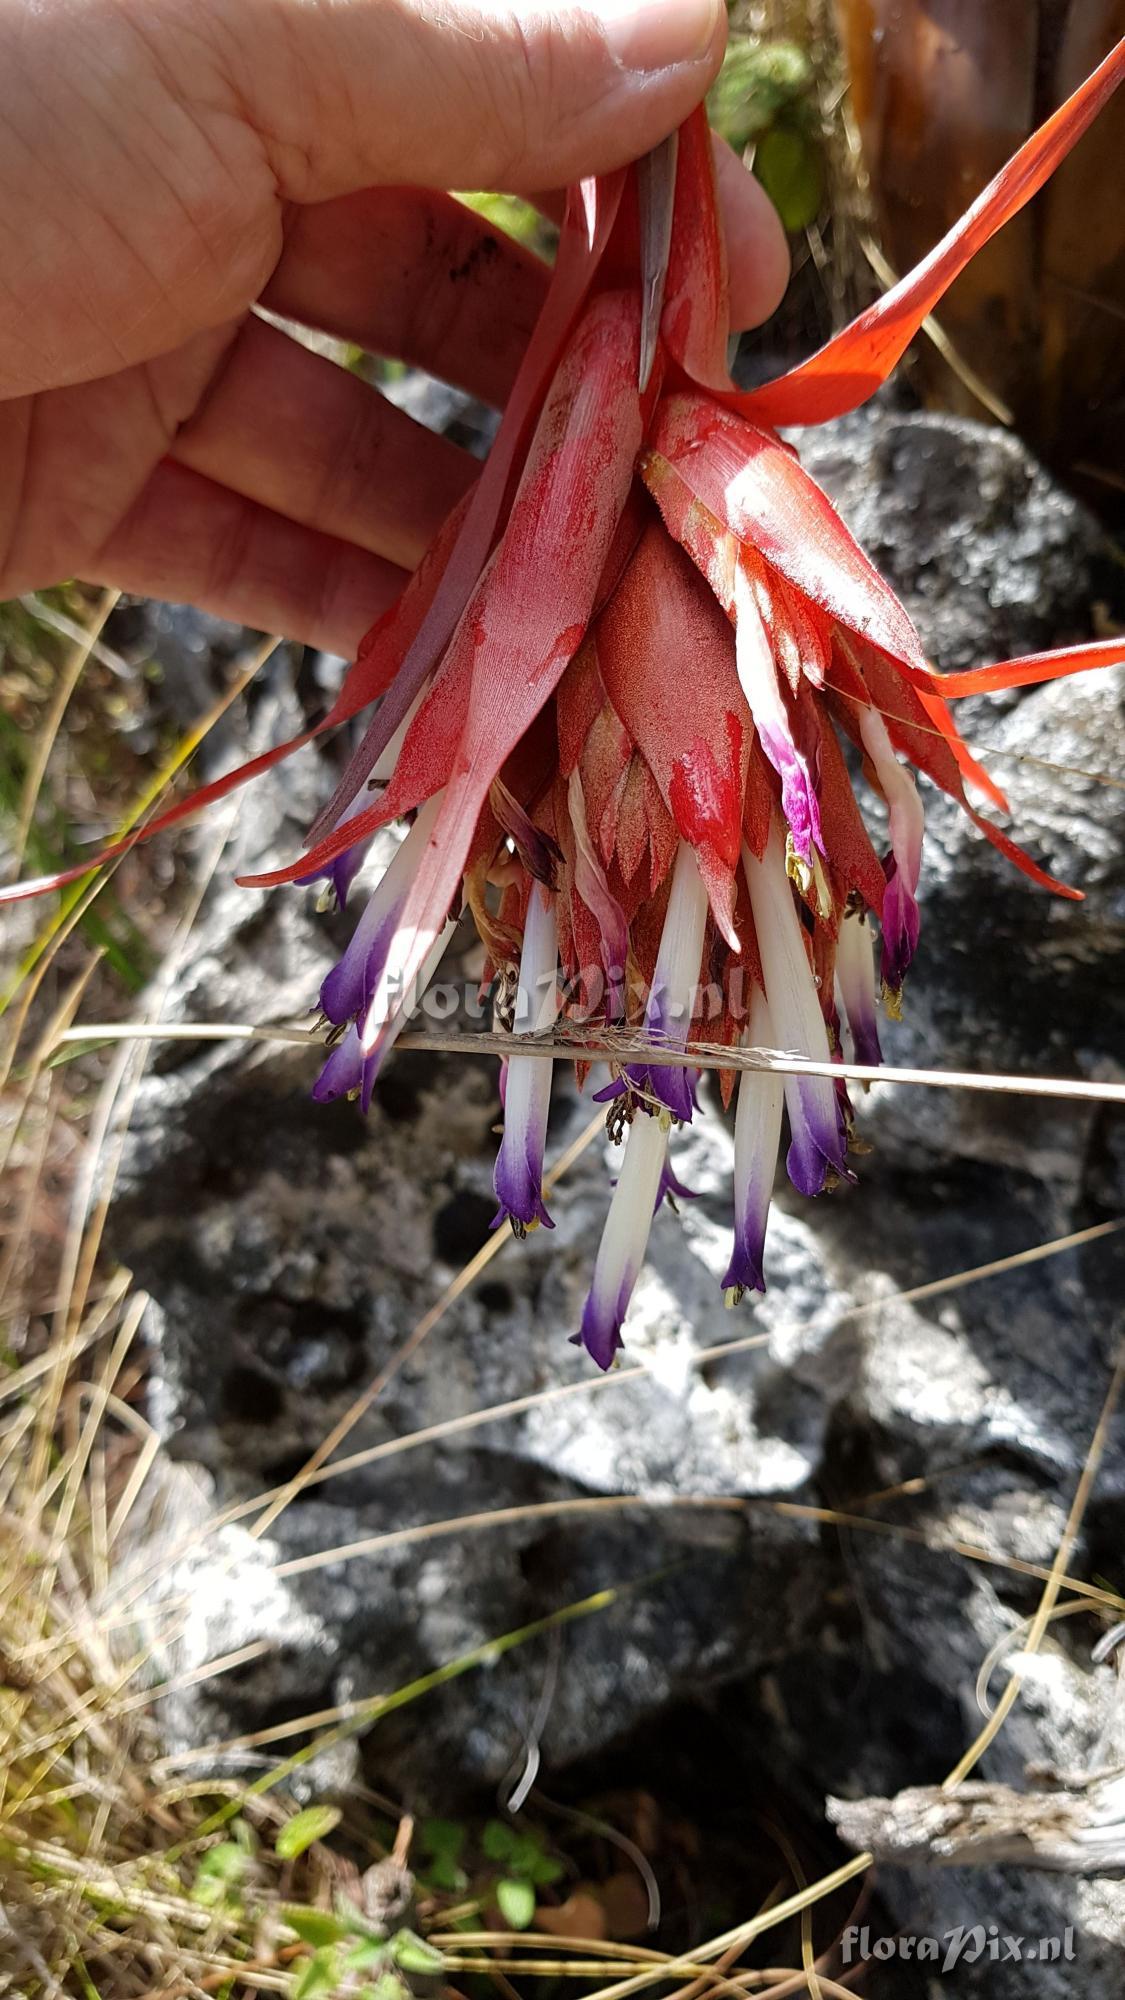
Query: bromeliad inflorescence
{"points": [[614, 699]]}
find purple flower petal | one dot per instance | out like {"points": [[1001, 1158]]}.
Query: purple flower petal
{"points": [[672, 1189], [901, 926]]}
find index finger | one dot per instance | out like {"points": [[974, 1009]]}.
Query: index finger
{"points": [[421, 277]]}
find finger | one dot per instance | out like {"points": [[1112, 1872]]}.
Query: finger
{"points": [[415, 274], [757, 250], [298, 434], [477, 93], [757, 247], [188, 540]]}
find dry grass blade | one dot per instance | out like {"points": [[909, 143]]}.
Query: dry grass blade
{"points": [[737, 1504], [93, 1191], [76, 900], [1091, 1594], [19, 1380], [37, 1095], [1054, 1582], [743, 1934], [83, 645], [1013, 1640], [774, 1982], [504, 1517], [621, 1046]]}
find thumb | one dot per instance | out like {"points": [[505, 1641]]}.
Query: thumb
{"points": [[472, 93]]}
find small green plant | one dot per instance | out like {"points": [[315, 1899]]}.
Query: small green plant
{"points": [[441, 1843], [527, 1867], [299, 1833], [353, 1956], [764, 97], [223, 1870]]}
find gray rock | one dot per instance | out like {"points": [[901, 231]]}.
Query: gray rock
{"points": [[289, 1250], [990, 556]]}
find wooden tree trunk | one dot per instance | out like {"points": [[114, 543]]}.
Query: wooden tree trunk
{"points": [[942, 91]]}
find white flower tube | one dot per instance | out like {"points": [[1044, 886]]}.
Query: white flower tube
{"points": [[907, 826], [758, 676], [624, 1238], [347, 989], [641, 1182], [518, 1179], [351, 1068], [855, 981], [671, 1001], [814, 1118], [341, 873], [757, 1129]]}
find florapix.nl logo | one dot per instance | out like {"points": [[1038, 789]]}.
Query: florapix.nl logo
{"points": [[967, 1944]]}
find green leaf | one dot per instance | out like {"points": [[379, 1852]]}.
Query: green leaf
{"points": [[314, 1926], [364, 1955], [498, 1840], [756, 83], [408, 1951], [547, 1870], [788, 165], [444, 1873], [320, 1975], [516, 1901], [442, 1837], [219, 1873], [73, 1051], [359, 1924], [299, 1833], [89, 1989], [524, 1854]]}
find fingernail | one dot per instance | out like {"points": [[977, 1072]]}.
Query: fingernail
{"points": [[659, 34]]}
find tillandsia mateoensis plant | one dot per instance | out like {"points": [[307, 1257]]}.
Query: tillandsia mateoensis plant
{"points": [[614, 698]]}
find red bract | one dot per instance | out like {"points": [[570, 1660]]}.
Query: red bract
{"points": [[617, 689]]}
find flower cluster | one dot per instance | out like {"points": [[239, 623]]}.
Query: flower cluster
{"points": [[631, 754], [621, 702]]}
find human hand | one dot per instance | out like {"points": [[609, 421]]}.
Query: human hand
{"points": [[168, 164]]}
